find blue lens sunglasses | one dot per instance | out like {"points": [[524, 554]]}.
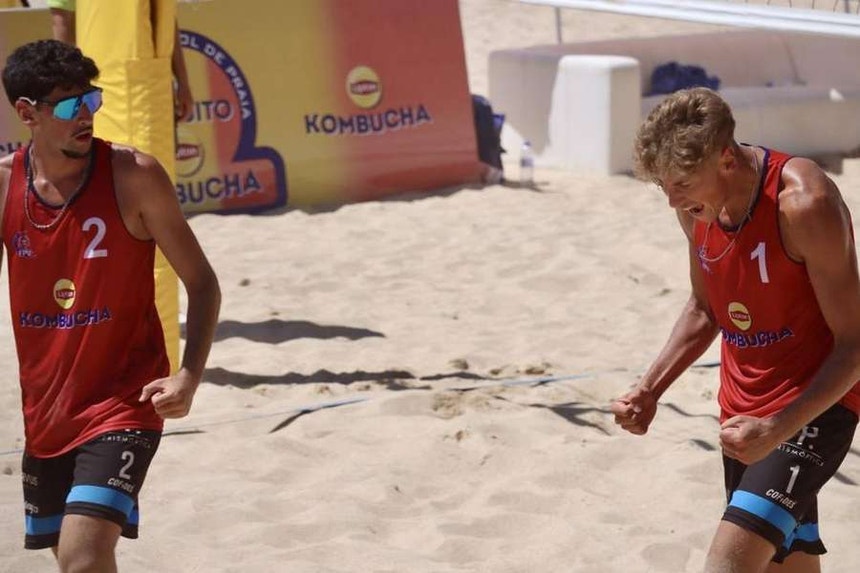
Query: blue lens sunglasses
{"points": [[68, 108]]}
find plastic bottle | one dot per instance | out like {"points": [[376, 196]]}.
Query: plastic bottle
{"points": [[527, 164]]}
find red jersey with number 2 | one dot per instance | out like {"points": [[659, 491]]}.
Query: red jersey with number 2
{"points": [[86, 328], [774, 337]]}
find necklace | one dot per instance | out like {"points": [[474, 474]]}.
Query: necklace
{"points": [[746, 218], [31, 188]]}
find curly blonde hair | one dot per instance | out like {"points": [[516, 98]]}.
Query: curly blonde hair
{"points": [[681, 132]]}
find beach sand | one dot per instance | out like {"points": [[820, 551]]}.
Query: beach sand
{"points": [[421, 384]]}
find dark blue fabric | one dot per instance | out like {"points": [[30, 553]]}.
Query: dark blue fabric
{"points": [[670, 77], [488, 129]]}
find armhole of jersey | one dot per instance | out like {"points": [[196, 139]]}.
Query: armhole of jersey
{"points": [[6, 203], [16, 160], [779, 189], [115, 189]]}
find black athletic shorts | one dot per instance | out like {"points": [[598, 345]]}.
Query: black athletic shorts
{"points": [[100, 478], [777, 498]]}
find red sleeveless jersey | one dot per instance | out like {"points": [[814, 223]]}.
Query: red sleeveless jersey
{"points": [[774, 337], [86, 328]]}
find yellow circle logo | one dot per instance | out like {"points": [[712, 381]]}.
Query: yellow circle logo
{"points": [[189, 152], [64, 293], [363, 87], [739, 314]]}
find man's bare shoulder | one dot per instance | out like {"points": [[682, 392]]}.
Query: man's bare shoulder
{"points": [[130, 158], [810, 209], [5, 171], [133, 167], [6, 164], [806, 187], [5, 177], [138, 175]]}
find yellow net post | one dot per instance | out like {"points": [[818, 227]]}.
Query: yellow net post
{"points": [[132, 43]]}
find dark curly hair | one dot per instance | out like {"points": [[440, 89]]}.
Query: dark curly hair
{"points": [[34, 70]]}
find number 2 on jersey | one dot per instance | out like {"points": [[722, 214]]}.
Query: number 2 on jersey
{"points": [[92, 251]]}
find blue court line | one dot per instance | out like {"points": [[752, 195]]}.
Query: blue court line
{"points": [[300, 410], [521, 382], [535, 381]]}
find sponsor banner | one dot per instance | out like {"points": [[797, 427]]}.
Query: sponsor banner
{"points": [[219, 164], [16, 27], [309, 101]]}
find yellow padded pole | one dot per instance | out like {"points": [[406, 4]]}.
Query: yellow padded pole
{"points": [[132, 42]]}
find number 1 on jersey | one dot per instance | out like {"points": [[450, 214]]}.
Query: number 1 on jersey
{"points": [[759, 253]]}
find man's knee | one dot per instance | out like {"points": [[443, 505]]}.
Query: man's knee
{"points": [[736, 550], [87, 545], [73, 561]]}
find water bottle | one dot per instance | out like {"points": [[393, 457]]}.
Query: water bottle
{"points": [[527, 164]]}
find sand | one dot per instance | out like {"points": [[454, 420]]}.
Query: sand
{"points": [[422, 383]]}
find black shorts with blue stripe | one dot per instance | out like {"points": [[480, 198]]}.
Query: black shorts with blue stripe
{"points": [[101, 478], [777, 498]]}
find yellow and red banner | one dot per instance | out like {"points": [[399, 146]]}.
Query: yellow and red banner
{"points": [[17, 27], [310, 101], [220, 162]]}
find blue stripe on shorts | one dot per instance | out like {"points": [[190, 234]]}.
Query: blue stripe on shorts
{"points": [[134, 518], [42, 525], [765, 509], [101, 496], [806, 532]]}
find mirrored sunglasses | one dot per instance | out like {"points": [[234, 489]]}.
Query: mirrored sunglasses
{"points": [[68, 108]]}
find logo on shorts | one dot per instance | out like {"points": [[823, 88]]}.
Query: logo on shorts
{"points": [[364, 87], [740, 316], [64, 293], [21, 244]]}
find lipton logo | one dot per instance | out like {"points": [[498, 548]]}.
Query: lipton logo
{"points": [[363, 87], [190, 153], [740, 316], [64, 293]]}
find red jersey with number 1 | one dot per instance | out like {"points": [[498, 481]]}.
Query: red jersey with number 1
{"points": [[86, 329], [774, 337]]}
